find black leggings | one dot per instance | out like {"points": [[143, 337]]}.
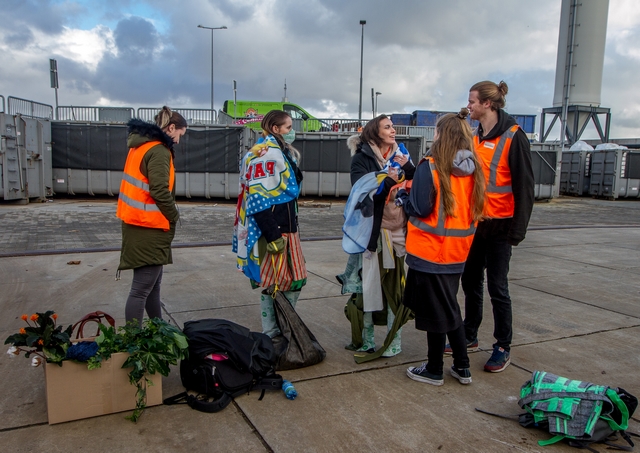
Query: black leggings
{"points": [[436, 343], [144, 294]]}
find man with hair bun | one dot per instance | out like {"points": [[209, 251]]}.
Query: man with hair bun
{"points": [[504, 152]]}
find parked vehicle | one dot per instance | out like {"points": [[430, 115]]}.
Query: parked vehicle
{"points": [[250, 113]]}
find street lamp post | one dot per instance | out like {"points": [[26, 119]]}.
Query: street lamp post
{"points": [[373, 106], [376, 109], [362, 22], [212, 28]]}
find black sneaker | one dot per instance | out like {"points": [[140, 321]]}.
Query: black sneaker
{"points": [[500, 359], [472, 346], [421, 374], [461, 374]]}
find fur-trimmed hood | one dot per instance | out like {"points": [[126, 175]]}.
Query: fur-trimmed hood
{"points": [[141, 132], [353, 142]]}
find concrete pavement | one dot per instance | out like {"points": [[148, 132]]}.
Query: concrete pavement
{"points": [[576, 294]]}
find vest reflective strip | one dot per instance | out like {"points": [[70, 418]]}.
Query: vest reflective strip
{"points": [[149, 207], [439, 229], [495, 161], [136, 182]]}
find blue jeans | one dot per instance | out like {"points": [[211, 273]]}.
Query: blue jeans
{"points": [[493, 253]]}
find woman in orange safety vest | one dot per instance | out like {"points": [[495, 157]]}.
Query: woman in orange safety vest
{"points": [[147, 208], [444, 206]]}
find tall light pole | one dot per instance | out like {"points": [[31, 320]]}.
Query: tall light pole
{"points": [[212, 28], [376, 109], [362, 22], [53, 66], [373, 106]]}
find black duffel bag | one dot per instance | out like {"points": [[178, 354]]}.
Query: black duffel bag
{"points": [[225, 361]]}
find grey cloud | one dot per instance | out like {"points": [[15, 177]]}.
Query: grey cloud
{"points": [[421, 54], [44, 15], [136, 39], [20, 39]]}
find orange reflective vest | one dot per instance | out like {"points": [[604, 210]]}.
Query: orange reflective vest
{"points": [[494, 155], [135, 205], [438, 238]]}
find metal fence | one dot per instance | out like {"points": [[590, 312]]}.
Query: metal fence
{"points": [[193, 116], [31, 109], [342, 124], [353, 125], [94, 114], [124, 114]]}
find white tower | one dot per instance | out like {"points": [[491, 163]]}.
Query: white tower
{"points": [[581, 42]]}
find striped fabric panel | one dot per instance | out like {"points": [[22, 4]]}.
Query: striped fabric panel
{"points": [[282, 272]]}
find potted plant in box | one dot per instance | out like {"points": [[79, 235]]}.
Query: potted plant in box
{"points": [[42, 338], [152, 348]]}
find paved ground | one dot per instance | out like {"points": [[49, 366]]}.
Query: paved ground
{"points": [[72, 224], [576, 295]]}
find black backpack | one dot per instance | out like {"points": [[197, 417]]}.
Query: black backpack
{"points": [[225, 361]]}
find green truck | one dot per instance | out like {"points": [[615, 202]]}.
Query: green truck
{"points": [[250, 114]]}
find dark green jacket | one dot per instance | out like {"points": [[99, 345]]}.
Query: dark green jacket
{"points": [[151, 246]]}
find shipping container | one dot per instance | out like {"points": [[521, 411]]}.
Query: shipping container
{"points": [[615, 172], [526, 122], [25, 158], [543, 160], [425, 117], [401, 119], [575, 173]]}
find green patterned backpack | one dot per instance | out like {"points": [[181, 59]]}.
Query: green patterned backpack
{"points": [[580, 412]]}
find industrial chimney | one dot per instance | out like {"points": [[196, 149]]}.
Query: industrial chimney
{"points": [[576, 99]]}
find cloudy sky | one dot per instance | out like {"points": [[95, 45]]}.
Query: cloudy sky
{"points": [[420, 54]]}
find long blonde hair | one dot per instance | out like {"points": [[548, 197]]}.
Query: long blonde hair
{"points": [[454, 134]]}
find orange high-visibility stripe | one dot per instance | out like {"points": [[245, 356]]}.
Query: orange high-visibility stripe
{"points": [[494, 155], [438, 238], [135, 205]]}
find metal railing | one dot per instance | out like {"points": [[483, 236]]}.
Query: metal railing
{"points": [[193, 116], [353, 125], [343, 124], [97, 114], [24, 107], [2, 109], [424, 131]]}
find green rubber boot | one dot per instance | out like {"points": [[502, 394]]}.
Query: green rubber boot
{"points": [[368, 340]]}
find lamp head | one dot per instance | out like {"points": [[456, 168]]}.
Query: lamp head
{"points": [[362, 22]]}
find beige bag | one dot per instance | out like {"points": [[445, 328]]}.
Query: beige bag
{"points": [[394, 217]]}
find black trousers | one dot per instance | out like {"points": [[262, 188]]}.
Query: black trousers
{"points": [[436, 344], [493, 253]]}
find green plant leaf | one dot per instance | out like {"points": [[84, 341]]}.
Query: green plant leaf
{"points": [[32, 339]]}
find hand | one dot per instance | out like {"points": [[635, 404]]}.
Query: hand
{"points": [[277, 246], [393, 173], [401, 159]]}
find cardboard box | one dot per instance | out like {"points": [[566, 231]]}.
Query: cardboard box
{"points": [[75, 392]]}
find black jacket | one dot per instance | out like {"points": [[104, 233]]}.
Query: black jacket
{"points": [[281, 218], [364, 161], [522, 183]]}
